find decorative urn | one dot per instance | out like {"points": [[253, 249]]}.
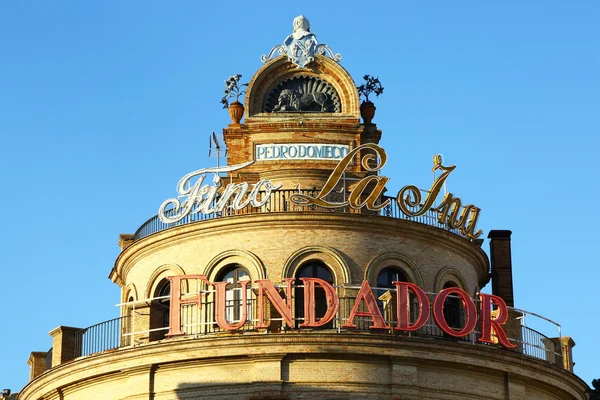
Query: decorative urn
{"points": [[236, 112], [367, 111]]}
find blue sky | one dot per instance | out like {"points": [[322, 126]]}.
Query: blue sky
{"points": [[105, 105]]}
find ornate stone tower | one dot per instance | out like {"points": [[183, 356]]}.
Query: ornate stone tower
{"points": [[289, 274], [301, 117]]}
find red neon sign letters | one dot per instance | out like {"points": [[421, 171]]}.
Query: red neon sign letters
{"points": [[410, 297]]}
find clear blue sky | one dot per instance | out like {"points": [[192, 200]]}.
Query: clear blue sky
{"points": [[104, 105]]}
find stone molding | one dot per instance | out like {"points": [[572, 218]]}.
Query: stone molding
{"points": [[412, 351], [428, 235]]}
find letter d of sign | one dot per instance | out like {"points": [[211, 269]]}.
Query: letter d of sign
{"points": [[309, 302], [403, 306]]}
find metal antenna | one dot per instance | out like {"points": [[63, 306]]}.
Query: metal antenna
{"points": [[215, 145]]}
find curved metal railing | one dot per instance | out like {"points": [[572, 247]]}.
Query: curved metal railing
{"points": [[99, 337], [198, 320], [279, 201]]}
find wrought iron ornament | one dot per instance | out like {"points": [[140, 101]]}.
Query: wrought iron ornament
{"points": [[301, 46]]}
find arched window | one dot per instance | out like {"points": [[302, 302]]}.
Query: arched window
{"points": [[453, 309], [159, 310], [127, 324], [233, 275], [390, 274], [385, 298], [312, 269]]}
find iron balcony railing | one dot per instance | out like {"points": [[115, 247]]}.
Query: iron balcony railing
{"points": [[100, 337], [196, 322], [279, 201]]}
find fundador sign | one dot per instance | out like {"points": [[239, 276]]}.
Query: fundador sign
{"points": [[365, 305]]}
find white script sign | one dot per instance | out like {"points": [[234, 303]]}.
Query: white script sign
{"points": [[206, 197]]}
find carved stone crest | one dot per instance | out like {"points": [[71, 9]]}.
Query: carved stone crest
{"points": [[301, 46]]}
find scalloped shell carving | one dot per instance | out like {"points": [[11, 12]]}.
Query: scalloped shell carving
{"points": [[302, 93]]}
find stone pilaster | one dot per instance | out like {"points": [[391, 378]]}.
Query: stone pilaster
{"points": [[404, 380], [37, 364], [125, 240], [268, 377], [562, 353], [65, 346], [567, 350]]}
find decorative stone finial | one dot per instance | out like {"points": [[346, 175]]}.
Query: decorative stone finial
{"points": [[301, 46]]}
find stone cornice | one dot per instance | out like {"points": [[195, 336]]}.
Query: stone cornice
{"points": [[412, 350], [306, 220]]}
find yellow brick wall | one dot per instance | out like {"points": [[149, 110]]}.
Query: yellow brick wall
{"points": [[298, 366], [357, 239]]}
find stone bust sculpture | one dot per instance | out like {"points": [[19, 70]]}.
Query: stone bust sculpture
{"points": [[301, 27], [301, 44]]}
